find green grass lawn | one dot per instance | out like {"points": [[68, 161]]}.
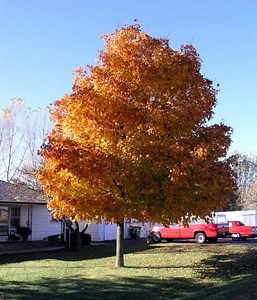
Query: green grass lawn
{"points": [[159, 271]]}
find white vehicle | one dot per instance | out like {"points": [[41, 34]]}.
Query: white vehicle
{"points": [[222, 223], [248, 217]]}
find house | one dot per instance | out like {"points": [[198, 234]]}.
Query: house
{"points": [[24, 206]]}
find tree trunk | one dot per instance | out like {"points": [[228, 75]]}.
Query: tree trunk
{"points": [[77, 237], [119, 246]]}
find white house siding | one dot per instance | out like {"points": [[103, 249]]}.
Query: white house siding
{"points": [[103, 231], [93, 230], [110, 231], [42, 224], [100, 231], [126, 230]]}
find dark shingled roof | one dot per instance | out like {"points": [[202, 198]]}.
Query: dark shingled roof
{"points": [[20, 193]]}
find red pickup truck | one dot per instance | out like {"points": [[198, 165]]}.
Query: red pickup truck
{"points": [[201, 232]]}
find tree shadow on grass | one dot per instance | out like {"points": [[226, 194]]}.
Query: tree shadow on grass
{"points": [[120, 288], [220, 277], [237, 270], [229, 264]]}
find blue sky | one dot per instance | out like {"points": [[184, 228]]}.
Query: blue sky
{"points": [[43, 41]]}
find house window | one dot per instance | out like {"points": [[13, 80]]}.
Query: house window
{"points": [[3, 215], [15, 216], [3, 220]]}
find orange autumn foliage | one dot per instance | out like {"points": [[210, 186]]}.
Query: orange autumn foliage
{"points": [[132, 139]]}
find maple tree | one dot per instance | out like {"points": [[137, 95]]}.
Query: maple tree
{"points": [[132, 140]]}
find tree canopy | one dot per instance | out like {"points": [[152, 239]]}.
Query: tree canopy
{"points": [[133, 138]]}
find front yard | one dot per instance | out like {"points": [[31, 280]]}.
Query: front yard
{"points": [[160, 271]]}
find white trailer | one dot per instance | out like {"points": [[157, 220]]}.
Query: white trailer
{"points": [[248, 217]]}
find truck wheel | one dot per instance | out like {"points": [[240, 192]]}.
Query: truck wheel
{"points": [[200, 238], [235, 237], [156, 237]]}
